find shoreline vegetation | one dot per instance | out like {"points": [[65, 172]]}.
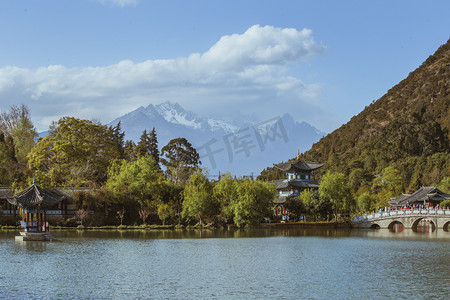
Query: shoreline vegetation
{"points": [[291, 225]]}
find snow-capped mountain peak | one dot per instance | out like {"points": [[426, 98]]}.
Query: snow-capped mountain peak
{"points": [[222, 125], [175, 114]]}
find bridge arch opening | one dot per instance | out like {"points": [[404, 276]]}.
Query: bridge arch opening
{"points": [[446, 226], [375, 226], [423, 225], [396, 226]]}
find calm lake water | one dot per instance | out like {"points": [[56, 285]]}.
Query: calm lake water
{"points": [[256, 264]]}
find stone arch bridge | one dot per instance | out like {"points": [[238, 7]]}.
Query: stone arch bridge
{"points": [[438, 218]]}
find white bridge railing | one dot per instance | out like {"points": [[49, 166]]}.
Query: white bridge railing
{"points": [[401, 213]]}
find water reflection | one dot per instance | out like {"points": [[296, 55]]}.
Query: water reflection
{"points": [[397, 227], [33, 246], [425, 228], [425, 231]]}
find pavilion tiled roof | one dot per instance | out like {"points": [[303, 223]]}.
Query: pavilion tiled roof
{"points": [[36, 195], [426, 193], [279, 200], [305, 184], [280, 184], [299, 165], [400, 198]]}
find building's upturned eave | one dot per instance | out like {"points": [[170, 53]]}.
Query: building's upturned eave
{"points": [[34, 195], [298, 165]]}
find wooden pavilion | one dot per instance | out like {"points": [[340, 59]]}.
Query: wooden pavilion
{"points": [[426, 196], [33, 203], [297, 178]]}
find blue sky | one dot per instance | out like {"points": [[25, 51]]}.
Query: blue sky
{"points": [[320, 61]]}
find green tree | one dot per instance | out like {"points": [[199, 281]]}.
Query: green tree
{"points": [[153, 149], [76, 152], [199, 202], [143, 146], [367, 202], [164, 212], [253, 201], [388, 185], [23, 135], [295, 207], [17, 123], [129, 150], [18, 138], [334, 186], [225, 193], [7, 162], [148, 145], [180, 159], [444, 185], [316, 206], [356, 178], [138, 181], [118, 139], [445, 204], [172, 193]]}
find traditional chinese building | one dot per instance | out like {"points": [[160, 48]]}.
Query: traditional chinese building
{"points": [[32, 204], [297, 178], [426, 196]]}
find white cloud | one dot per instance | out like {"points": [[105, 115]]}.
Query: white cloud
{"points": [[263, 46], [245, 71]]}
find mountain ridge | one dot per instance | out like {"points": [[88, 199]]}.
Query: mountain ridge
{"points": [[171, 120], [407, 129]]}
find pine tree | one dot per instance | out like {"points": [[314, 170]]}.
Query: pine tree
{"points": [[143, 146], [118, 138], [153, 146], [148, 145], [129, 150]]}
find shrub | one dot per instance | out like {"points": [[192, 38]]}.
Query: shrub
{"points": [[445, 204]]}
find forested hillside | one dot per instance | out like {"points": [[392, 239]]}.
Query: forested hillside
{"points": [[405, 133]]}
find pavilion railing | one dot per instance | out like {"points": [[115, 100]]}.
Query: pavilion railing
{"points": [[34, 226], [49, 212]]}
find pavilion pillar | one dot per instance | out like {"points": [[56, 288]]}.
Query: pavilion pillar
{"points": [[45, 220]]}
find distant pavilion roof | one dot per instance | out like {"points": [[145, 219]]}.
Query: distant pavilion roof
{"points": [[298, 165], [35, 195], [425, 193]]}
